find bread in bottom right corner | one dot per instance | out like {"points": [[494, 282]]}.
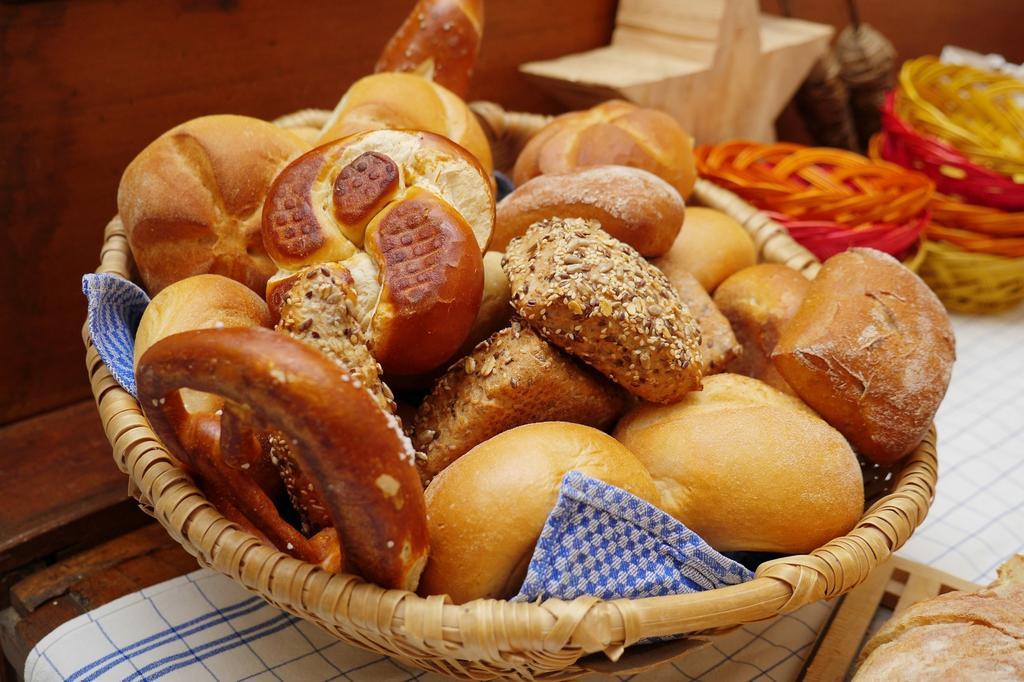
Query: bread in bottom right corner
{"points": [[955, 636]]}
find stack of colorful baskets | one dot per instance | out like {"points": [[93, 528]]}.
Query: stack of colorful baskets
{"points": [[828, 199], [964, 129]]}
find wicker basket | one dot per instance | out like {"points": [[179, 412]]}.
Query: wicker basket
{"points": [[554, 639], [972, 282]]}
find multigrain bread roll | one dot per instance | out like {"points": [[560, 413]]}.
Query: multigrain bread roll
{"points": [[190, 201], [758, 302], [711, 246], [599, 300], [955, 637], [747, 467], [718, 345], [632, 205], [871, 349], [513, 378], [614, 132], [486, 511], [409, 102]]}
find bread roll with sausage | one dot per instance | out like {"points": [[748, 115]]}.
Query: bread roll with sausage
{"points": [[871, 349], [747, 467]]}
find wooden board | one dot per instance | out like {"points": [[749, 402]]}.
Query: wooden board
{"points": [[60, 488], [890, 589]]}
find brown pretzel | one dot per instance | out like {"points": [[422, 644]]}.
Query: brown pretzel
{"points": [[339, 436]]}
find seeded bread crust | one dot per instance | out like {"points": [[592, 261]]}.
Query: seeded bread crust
{"points": [[598, 299], [513, 378], [718, 344], [320, 310]]}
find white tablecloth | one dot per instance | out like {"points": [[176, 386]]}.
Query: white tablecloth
{"points": [[204, 627]]}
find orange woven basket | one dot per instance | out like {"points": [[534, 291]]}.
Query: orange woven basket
{"points": [[829, 199]]}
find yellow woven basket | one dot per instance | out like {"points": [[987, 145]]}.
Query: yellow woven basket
{"points": [[482, 639], [972, 282]]}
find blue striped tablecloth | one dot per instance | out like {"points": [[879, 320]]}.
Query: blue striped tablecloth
{"points": [[204, 627]]}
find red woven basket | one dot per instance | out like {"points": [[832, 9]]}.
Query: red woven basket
{"points": [[828, 199], [953, 173]]}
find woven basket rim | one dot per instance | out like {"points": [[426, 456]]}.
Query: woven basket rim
{"points": [[492, 635]]}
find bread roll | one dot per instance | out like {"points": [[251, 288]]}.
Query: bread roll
{"points": [[718, 345], [190, 201], [614, 132], [871, 349], [711, 246], [748, 468], [599, 300], [440, 40], [485, 512], [955, 637], [632, 205], [411, 102], [513, 378], [758, 302], [495, 308]]}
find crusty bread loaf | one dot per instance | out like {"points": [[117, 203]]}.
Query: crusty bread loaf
{"points": [[190, 201], [748, 468], [599, 300], [513, 378], [718, 345], [614, 132], [631, 204], [955, 637], [440, 40], [411, 102], [486, 511], [758, 302], [871, 349], [711, 246]]}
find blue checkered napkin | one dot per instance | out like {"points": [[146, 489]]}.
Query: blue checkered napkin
{"points": [[115, 308], [601, 541]]}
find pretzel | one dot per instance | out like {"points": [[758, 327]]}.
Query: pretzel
{"points": [[339, 437], [409, 215]]}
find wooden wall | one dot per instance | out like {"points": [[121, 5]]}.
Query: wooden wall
{"points": [[84, 85]]}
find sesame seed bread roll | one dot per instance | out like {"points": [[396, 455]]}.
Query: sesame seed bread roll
{"points": [[748, 468], [486, 511], [758, 302], [513, 378], [711, 246], [599, 300], [631, 204], [871, 349], [718, 344]]}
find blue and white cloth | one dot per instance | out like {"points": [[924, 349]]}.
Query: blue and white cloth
{"points": [[602, 541], [115, 307]]}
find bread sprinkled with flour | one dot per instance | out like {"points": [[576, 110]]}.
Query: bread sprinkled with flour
{"points": [[599, 300]]}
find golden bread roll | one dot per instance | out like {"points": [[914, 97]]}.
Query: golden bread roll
{"points": [[871, 349], [485, 512], [614, 132], [955, 637], [190, 201], [513, 378], [419, 206], [440, 40], [598, 299], [758, 302], [718, 345], [748, 468], [711, 246], [409, 102], [495, 307], [632, 205]]}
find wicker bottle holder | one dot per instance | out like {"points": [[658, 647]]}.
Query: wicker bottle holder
{"points": [[482, 639]]}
